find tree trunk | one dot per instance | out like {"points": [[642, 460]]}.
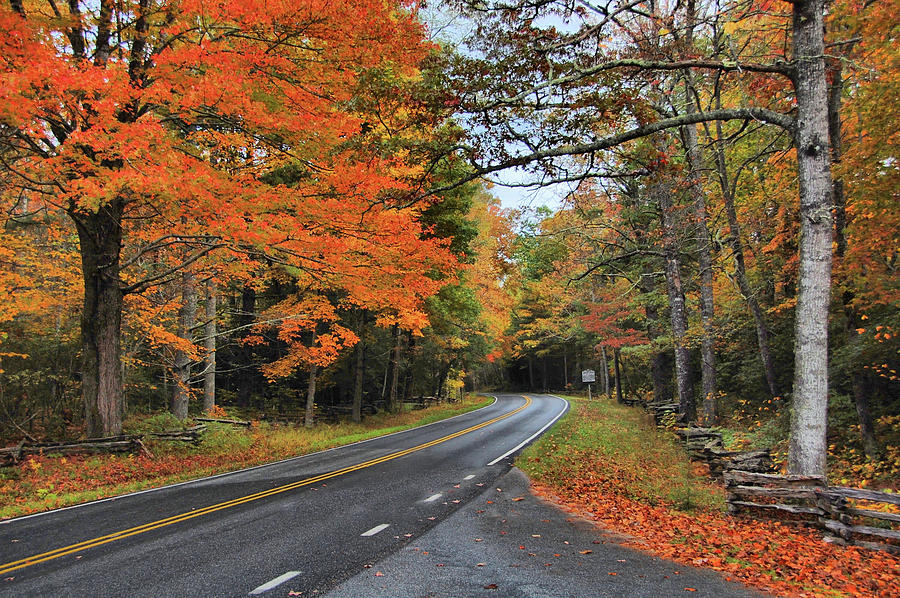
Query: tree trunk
{"points": [[807, 453], [678, 311], [309, 415], [852, 320], [604, 370], [245, 318], [565, 368], [740, 267], [704, 249], [187, 316], [619, 396], [100, 243], [530, 373], [661, 366], [356, 413], [393, 404], [209, 342]]}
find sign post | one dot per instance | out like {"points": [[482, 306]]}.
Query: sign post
{"points": [[588, 376]]}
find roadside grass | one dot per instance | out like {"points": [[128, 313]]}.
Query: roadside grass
{"points": [[611, 464], [46, 482], [639, 461]]}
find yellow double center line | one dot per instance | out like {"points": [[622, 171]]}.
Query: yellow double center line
{"points": [[140, 529]]}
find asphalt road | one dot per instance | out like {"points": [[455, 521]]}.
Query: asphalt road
{"points": [[305, 526]]}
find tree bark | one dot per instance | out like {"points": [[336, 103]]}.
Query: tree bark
{"points": [[100, 243], [209, 342], [619, 396], [851, 317], [704, 244], [740, 267], [356, 412], [677, 310], [393, 404], [309, 415], [807, 452], [245, 318], [187, 316], [604, 370], [530, 373]]}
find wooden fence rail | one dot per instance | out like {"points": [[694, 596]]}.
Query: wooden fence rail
{"points": [[856, 516]]}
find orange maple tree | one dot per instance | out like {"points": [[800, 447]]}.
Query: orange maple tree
{"points": [[120, 115]]}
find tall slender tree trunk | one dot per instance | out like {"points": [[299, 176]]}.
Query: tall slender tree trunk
{"points": [[677, 310], [661, 366], [604, 370], [851, 317], [565, 368], [359, 373], [807, 452], [704, 245], [530, 373], [616, 355], [100, 243], [245, 318], [740, 266], [187, 316], [393, 404], [209, 342], [309, 414]]}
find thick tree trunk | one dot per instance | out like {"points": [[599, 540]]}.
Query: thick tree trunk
{"points": [[187, 316], [677, 310], [100, 243], [807, 453], [209, 342]]}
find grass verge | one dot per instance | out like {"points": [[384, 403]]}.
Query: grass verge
{"points": [[50, 481], [610, 463]]}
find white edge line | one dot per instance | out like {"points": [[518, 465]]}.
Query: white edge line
{"points": [[535, 435], [433, 497], [375, 530], [227, 473], [269, 585]]}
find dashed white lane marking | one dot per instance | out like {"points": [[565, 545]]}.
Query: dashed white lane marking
{"points": [[433, 497], [375, 529], [275, 582], [469, 477]]}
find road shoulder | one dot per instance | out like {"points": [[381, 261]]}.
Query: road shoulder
{"points": [[507, 542]]}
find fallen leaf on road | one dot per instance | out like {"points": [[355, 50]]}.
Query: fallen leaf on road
{"points": [[585, 551], [613, 573], [490, 586], [379, 574], [479, 540], [690, 589], [535, 535], [517, 499], [480, 565]]}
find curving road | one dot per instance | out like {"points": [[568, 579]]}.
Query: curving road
{"points": [[298, 526]]}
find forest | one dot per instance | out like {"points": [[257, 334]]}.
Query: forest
{"points": [[288, 209]]}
